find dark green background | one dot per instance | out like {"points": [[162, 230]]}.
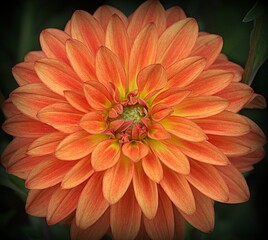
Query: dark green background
{"points": [[20, 25]]}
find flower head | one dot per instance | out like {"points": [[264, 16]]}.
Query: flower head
{"points": [[129, 125]]}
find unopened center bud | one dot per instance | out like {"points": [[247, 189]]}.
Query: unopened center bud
{"points": [[134, 113]]}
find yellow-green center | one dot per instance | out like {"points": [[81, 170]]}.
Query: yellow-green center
{"points": [[134, 113]]}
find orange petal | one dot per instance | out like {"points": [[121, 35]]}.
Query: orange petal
{"points": [[182, 33], [106, 154], [9, 109], [207, 179], [126, 216], [238, 95], [184, 128], [162, 225], [171, 156], [152, 167], [23, 126], [92, 204], [109, 69], [203, 218], [57, 75], [160, 111], [78, 174], [200, 107], [78, 145], [86, 29], [53, 42], [174, 14], [146, 192], [62, 203], [97, 95], [77, 100], [157, 132], [203, 152], [81, 59], [34, 56], [117, 39], [213, 80], [150, 80], [135, 150], [208, 46], [183, 72], [94, 232], [104, 14], [171, 97], [116, 180], [256, 101], [146, 13], [38, 200], [61, 116], [31, 98], [48, 173], [143, 53], [178, 190], [24, 73], [93, 123], [237, 185]]}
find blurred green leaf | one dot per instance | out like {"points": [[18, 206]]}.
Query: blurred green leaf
{"points": [[258, 52]]}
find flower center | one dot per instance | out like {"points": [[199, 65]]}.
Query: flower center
{"points": [[135, 113]]}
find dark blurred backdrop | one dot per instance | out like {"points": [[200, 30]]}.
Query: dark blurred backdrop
{"points": [[20, 25]]}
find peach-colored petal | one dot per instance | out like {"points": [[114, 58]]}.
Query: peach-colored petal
{"points": [[183, 72], [91, 205], [157, 132], [203, 152], [116, 180], [81, 59], [143, 53], [184, 128], [145, 191], [52, 42], [78, 145], [208, 46], [38, 200], [48, 173], [162, 225], [77, 100], [34, 56], [86, 29], [174, 14], [94, 232], [97, 95], [62, 203], [207, 179], [213, 80], [200, 107], [61, 116], [126, 217], [182, 33], [36, 95], [178, 190], [160, 111], [203, 218], [19, 126], [106, 154], [57, 76], [256, 101], [9, 109], [135, 150], [170, 155], [78, 173], [117, 39], [180, 226], [152, 167], [237, 94], [109, 69], [24, 73], [237, 185], [104, 14], [93, 123], [146, 13]]}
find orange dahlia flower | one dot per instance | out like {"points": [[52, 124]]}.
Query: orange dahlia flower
{"points": [[130, 125]]}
